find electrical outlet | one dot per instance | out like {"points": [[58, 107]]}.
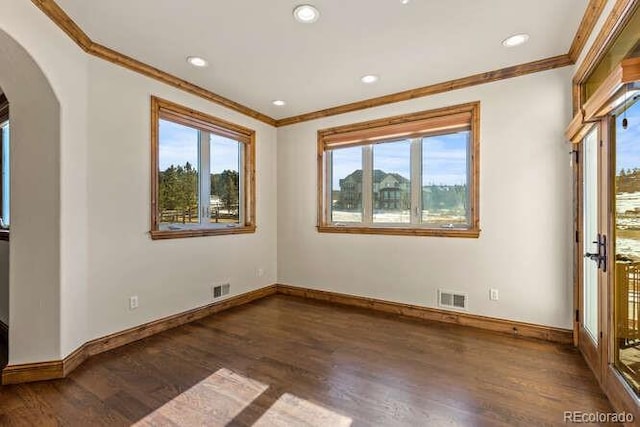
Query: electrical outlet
{"points": [[133, 302], [493, 294], [260, 272]]}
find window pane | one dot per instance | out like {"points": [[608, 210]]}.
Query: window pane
{"points": [[224, 198], [178, 176], [627, 245], [5, 178], [445, 180], [392, 182], [346, 185]]}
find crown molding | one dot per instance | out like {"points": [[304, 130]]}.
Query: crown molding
{"points": [[73, 30], [64, 21], [474, 80]]}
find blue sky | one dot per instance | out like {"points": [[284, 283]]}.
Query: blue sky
{"points": [[345, 161], [628, 141], [393, 157], [179, 144], [444, 159]]}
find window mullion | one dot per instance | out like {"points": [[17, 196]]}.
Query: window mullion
{"points": [[470, 180], [242, 215], [416, 180], [204, 176], [327, 209], [367, 184]]}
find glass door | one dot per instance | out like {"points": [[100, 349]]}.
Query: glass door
{"points": [[591, 237], [593, 247], [626, 289]]}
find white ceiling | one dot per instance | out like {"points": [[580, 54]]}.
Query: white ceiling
{"points": [[258, 53]]}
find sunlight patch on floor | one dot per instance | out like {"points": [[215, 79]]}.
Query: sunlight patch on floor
{"points": [[290, 410], [214, 401]]}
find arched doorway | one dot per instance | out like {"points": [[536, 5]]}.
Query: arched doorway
{"points": [[34, 242]]}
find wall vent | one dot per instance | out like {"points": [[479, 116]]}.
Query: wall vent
{"points": [[221, 290], [455, 300]]}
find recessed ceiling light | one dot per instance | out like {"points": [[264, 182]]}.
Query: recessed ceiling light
{"points": [[196, 61], [369, 78], [279, 103], [306, 14], [405, 1], [515, 40]]}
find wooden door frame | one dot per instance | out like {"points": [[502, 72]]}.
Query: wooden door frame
{"points": [[602, 362], [606, 225], [616, 388], [614, 385]]}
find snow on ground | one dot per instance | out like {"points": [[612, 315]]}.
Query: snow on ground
{"points": [[628, 221], [629, 247], [627, 202], [398, 217]]}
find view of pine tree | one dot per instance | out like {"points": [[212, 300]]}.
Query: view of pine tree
{"points": [[628, 180], [178, 188], [225, 185]]}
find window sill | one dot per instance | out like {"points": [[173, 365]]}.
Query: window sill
{"points": [[4, 235], [398, 231], [179, 234]]}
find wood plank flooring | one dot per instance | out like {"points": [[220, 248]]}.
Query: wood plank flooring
{"points": [[288, 361]]}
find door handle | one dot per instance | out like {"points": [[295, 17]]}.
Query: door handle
{"points": [[602, 252], [592, 257], [601, 256]]}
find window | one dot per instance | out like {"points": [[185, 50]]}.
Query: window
{"points": [[202, 174], [415, 174], [4, 169]]}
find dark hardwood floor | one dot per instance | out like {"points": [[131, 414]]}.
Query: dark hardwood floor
{"points": [[286, 361]]}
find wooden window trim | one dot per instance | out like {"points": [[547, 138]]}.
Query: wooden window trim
{"points": [[614, 24], [602, 102], [4, 116], [604, 99], [163, 109], [442, 121]]}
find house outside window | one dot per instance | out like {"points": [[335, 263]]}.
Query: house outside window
{"points": [[416, 174]]}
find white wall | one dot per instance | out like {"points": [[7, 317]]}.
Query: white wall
{"points": [[44, 76], [34, 248], [167, 276], [524, 248], [4, 282], [80, 261], [79, 243]]}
